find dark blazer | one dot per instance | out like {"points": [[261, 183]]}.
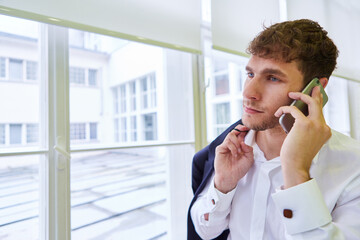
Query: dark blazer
{"points": [[202, 169]]}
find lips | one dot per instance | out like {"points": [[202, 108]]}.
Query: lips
{"points": [[251, 110]]}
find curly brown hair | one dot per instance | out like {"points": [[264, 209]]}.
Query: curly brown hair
{"points": [[304, 41]]}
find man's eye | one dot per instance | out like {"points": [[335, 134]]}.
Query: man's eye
{"points": [[274, 79], [250, 75]]}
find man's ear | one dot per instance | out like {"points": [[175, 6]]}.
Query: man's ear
{"points": [[324, 81]]}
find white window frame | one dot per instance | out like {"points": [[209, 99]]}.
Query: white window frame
{"points": [[55, 148]]}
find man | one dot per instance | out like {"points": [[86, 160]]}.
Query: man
{"points": [[257, 182]]}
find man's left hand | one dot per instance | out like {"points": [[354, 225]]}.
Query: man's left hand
{"points": [[305, 139]]}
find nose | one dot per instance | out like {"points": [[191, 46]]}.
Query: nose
{"points": [[252, 89]]}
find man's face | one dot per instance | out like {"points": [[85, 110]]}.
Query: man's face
{"points": [[266, 89]]}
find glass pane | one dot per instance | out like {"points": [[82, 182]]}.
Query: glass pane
{"points": [[93, 131], [2, 134], [150, 124], [31, 70], [2, 67], [127, 108], [92, 77], [222, 113], [119, 194], [221, 84], [123, 98], [132, 96], [227, 73], [20, 93], [15, 133], [19, 197], [77, 131], [16, 69], [32, 133], [77, 75]]}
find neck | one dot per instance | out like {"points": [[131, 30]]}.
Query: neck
{"points": [[270, 141]]}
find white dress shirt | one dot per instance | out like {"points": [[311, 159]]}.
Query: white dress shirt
{"points": [[326, 207]]}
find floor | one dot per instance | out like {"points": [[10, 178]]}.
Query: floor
{"points": [[114, 195]]}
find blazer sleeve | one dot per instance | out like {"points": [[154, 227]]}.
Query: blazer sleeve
{"points": [[198, 168], [202, 167]]}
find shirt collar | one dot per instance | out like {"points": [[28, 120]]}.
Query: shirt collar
{"points": [[250, 141]]}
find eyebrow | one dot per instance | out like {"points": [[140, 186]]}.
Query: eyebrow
{"points": [[269, 71]]}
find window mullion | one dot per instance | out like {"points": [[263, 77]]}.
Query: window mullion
{"points": [[59, 140]]}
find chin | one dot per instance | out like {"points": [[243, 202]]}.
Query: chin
{"points": [[260, 124]]}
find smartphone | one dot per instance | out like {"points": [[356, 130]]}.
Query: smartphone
{"points": [[286, 120]]}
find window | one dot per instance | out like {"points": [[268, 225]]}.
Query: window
{"points": [[77, 131], [92, 77], [93, 131], [126, 96], [116, 100], [150, 125], [133, 128], [2, 67], [123, 98], [77, 75], [222, 113], [31, 70], [221, 84], [15, 69], [123, 129], [226, 74], [116, 130], [2, 134], [148, 91], [132, 96], [144, 90], [152, 94], [15, 133], [102, 173], [32, 133]]}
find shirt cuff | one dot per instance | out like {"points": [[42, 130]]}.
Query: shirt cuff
{"points": [[218, 200], [306, 205]]}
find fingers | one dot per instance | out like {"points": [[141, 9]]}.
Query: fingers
{"points": [[240, 131], [245, 148], [233, 141], [294, 111], [314, 104]]}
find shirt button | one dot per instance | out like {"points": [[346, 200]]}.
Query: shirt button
{"points": [[213, 201], [288, 213]]}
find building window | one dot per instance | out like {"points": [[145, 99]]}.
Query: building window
{"points": [[2, 134], [116, 100], [116, 130], [77, 75], [31, 70], [222, 117], [93, 131], [123, 129], [152, 90], [127, 97], [220, 64], [148, 91], [2, 67], [32, 133], [93, 77], [15, 69], [132, 96], [150, 126], [77, 131], [133, 129], [221, 84], [15, 133], [123, 98]]}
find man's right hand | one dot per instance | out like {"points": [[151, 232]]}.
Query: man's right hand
{"points": [[233, 159]]}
